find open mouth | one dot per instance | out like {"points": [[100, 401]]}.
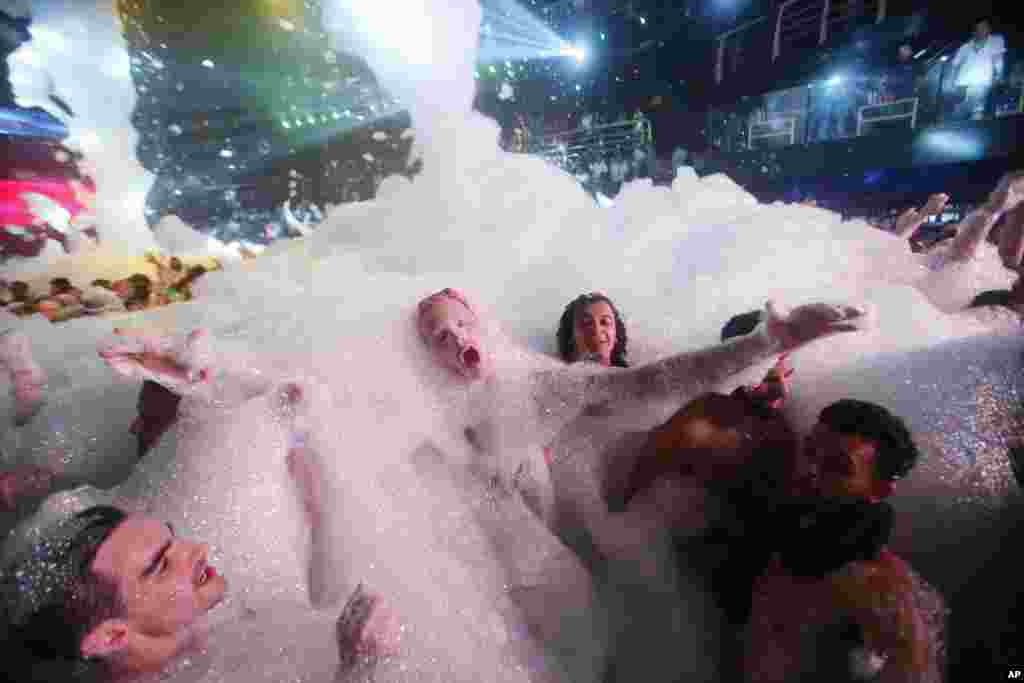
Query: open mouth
{"points": [[471, 358], [203, 573]]}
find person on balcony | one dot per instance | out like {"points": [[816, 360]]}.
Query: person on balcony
{"points": [[900, 80], [977, 66]]}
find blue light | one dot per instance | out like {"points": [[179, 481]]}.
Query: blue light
{"points": [[577, 52]]}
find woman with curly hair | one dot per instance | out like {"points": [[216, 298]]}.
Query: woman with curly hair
{"points": [[591, 328]]}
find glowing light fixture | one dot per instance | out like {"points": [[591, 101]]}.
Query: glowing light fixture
{"points": [[577, 52]]}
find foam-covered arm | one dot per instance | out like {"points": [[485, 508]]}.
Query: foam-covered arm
{"points": [[188, 366], [971, 232], [911, 219], [325, 567], [682, 376], [688, 375]]}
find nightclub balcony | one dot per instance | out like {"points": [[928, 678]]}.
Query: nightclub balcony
{"points": [[850, 103]]}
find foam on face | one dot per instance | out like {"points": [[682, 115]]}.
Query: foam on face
{"points": [[522, 240]]}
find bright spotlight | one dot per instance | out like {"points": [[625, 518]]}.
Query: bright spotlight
{"points": [[576, 52], [944, 58], [835, 80]]}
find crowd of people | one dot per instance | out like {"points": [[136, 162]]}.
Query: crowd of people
{"points": [[65, 301], [910, 86], [797, 559]]}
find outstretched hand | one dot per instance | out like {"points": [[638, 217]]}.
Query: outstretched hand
{"points": [[1009, 193], [366, 629], [935, 205], [1011, 240], [806, 323], [179, 364]]}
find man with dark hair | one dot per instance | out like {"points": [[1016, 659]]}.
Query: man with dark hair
{"points": [[107, 591], [60, 285], [835, 603]]}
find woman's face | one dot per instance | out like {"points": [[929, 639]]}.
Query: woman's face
{"points": [[594, 331]]}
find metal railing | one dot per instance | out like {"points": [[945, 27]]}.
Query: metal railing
{"points": [[770, 129], [860, 105], [797, 22], [883, 113]]}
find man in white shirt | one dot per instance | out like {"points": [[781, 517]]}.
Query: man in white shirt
{"points": [[977, 66]]}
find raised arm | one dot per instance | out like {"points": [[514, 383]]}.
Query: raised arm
{"points": [[974, 229], [190, 365], [688, 375], [1011, 238], [911, 219]]}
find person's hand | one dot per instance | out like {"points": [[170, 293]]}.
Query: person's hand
{"points": [[907, 222], [180, 364], [1009, 193], [366, 629], [1011, 240], [774, 388], [809, 322], [935, 205], [23, 482]]}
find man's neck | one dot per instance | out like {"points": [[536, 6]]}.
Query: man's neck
{"points": [[157, 654]]}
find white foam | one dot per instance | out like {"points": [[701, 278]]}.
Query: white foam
{"points": [[523, 239]]}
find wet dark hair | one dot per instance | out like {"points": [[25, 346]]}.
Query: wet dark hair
{"points": [[52, 597], [993, 297], [741, 325], [567, 329], [896, 452], [61, 284], [142, 287], [105, 284], [176, 263], [19, 290]]}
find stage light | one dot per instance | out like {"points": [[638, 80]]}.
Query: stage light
{"points": [[834, 81], [577, 52], [944, 58]]}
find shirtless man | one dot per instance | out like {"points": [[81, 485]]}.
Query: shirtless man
{"points": [[122, 597], [834, 603]]}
